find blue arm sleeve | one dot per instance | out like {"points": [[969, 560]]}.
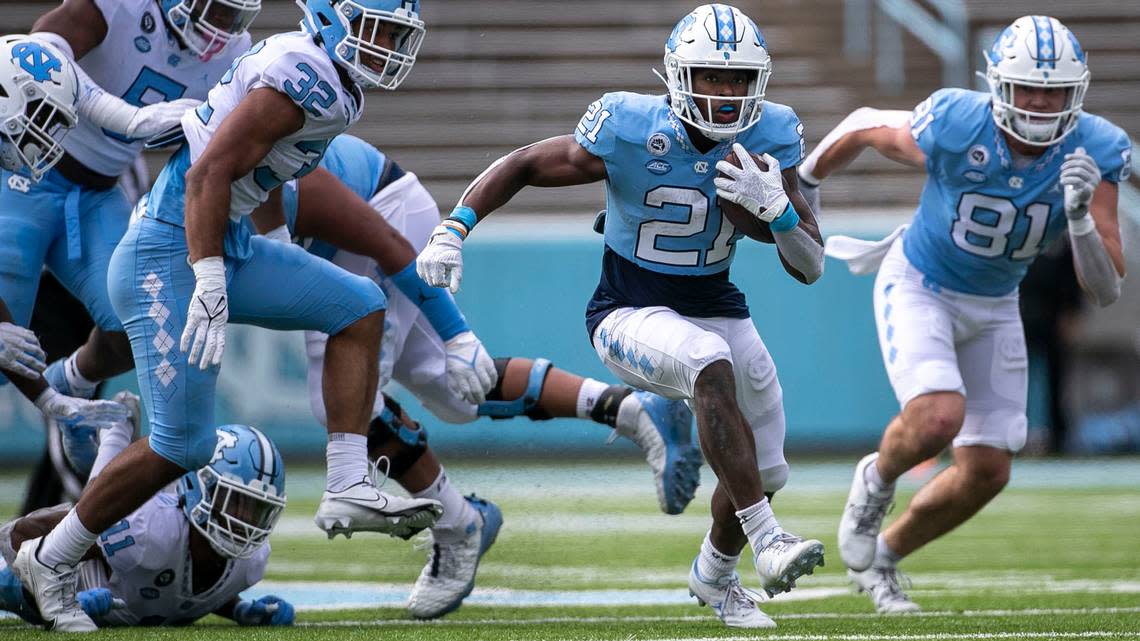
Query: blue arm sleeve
{"points": [[437, 304]]}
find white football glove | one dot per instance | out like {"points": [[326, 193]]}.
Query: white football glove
{"points": [[760, 192], [205, 332], [20, 351], [75, 412], [1080, 176], [811, 194], [151, 120], [440, 264], [470, 370]]}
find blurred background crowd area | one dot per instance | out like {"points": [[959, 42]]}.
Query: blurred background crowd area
{"points": [[498, 74]]}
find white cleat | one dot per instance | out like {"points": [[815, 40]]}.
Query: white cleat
{"points": [[733, 603], [862, 519], [882, 584], [785, 559], [364, 508], [52, 589], [449, 575]]}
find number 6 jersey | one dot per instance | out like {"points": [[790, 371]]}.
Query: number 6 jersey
{"points": [[985, 214], [666, 241]]}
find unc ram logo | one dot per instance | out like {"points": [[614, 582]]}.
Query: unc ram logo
{"points": [[226, 440], [36, 60]]}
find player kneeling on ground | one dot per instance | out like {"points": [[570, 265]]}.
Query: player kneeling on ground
{"points": [[183, 554]]}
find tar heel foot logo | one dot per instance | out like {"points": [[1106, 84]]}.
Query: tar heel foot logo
{"points": [[19, 183], [701, 167], [658, 144], [978, 155], [658, 167]]}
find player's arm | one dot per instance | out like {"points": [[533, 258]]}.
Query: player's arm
{"points": [[239, 145], [75, 28], [1094, 231], [800, 248], [554, 162]]}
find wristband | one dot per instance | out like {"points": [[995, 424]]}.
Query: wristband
{"points": [[808, 179], [786, 221], [455, 227], [1082, 226], [210, 270], [465, 216], [438, 307]]}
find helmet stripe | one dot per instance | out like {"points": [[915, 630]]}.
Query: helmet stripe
{"points": [[1046, 43], [267, 469], [725, 27]]}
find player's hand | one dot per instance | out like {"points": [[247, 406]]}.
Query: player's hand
{"points": [[1080, 176], [151, 120], [205, 334], [98, 602], [20, 351], [79, 411], [440, 264], [268, 610], [470, 370], [810, 193], [760, 191]]}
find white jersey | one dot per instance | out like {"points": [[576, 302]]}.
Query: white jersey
{"points": [[293, 64], [149, 556], [141, 61]]}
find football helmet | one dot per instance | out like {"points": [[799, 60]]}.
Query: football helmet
{"points": [[38, 95], [347, 30], [1036, 51], [716, 35], [237, 498], [207, 26]]}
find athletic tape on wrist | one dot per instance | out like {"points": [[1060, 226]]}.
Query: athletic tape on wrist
{"points": [[1082, 226]]}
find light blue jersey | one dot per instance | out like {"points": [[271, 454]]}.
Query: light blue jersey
{"points": [[981, 219], [666, 240]]}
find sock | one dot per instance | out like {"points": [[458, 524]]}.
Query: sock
{"points": [[760, 525], [347, 457], [67, 543], [112, 441], [457, 512], [885, 557], [588, 396], [874, 481], [64, 377], [609, 403], [712, 564]]}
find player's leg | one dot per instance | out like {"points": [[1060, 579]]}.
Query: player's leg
{"points": [[350, 309], [80, 261]]}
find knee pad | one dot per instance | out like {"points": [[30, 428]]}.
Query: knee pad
{"points": [[774, 478], [402, 441], [525, 405]]}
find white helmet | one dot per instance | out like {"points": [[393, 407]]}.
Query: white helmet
{"points": [[1036, 51], [716, 35], [207, 26], [38, 94]]}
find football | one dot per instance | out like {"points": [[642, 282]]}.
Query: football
{"points": [[740, 217]]}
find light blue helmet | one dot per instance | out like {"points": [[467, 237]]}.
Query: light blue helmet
{"points": [[206, 26], [237, 498], [347, 30]]}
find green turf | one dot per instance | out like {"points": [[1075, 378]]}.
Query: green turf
{"points": [[1039, 561]]}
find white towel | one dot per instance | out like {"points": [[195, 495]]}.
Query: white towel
{"points": [[862, 256]]}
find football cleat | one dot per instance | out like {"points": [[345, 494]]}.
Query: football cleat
{"points": [[786, 558], [663, 430], [364, 508], [882, 584], [52, 589], [733, 603], [449, 575], [862, 518]]}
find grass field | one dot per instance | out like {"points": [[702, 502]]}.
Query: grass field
{"points": [[584, 555]]}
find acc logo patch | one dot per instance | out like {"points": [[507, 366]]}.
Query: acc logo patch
{"points": [[701, 166], [658, 144], [148, 593], [974, 176], [142, 44], [164, 578], [658, 167], [978, 155], [147, 23], [19, 183]]}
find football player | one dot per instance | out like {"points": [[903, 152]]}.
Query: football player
{"points": [[188, 265], [362, 200], [665, 318], [72, 219], [38, 107], [1007, 172], [183, 554]]}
